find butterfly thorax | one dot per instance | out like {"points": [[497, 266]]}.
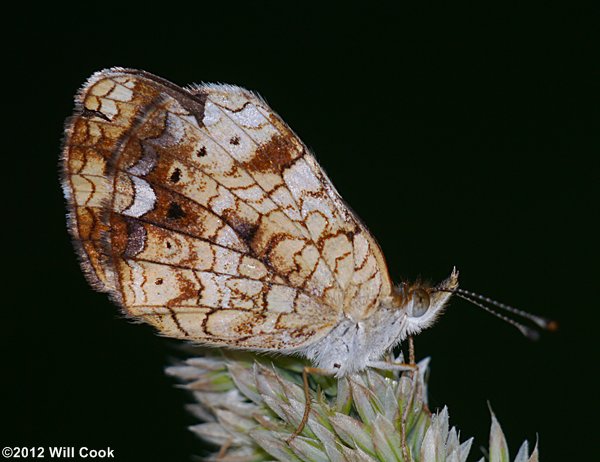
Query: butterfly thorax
{"points": [[354, 345]]}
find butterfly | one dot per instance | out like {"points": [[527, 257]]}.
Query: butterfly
{"points": [[200, 212]]}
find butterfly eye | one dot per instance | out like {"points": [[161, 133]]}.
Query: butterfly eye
{"points": [[420, 302]]}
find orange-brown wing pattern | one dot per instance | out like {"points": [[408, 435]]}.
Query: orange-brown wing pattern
{"points": [[203, 214]]}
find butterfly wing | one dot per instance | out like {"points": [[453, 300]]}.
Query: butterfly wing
{"points": [[203, 214]]}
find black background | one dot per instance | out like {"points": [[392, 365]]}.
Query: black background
{"points": [[462, 135]]}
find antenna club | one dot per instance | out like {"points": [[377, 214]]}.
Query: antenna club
{"points": [[552, 326]]}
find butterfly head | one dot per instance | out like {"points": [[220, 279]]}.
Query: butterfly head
{"points": [[423, 304]]}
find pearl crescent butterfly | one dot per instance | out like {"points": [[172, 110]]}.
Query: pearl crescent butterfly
{"points": [[199, 211]]}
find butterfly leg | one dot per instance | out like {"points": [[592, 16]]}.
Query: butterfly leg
{"points": [[393, 366], [411, 361], [411, 367], [307, 370], [224, 448]]}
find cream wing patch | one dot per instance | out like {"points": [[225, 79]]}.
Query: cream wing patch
{"points": [[203, 214]]}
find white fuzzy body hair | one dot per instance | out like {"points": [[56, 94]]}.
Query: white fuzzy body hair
{"points": [[353, 346]]}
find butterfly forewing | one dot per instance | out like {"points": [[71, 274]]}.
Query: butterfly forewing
{"points": [[203, 214]]}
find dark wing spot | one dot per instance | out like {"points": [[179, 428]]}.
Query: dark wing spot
{"points": [[127, 237], [168, 245], [194, 105], [136, 238], [274, 156], [159, 281], [175, 176], [89, 113], [175, 212], [245, 231], [201, 152], [235, 140], [243, 228]]}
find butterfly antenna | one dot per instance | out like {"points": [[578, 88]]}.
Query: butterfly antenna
{"points": [[526, 331], [542, 323], [477, 299]]}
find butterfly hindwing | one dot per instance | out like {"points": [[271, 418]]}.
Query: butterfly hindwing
{"points": [[203, 214]]}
